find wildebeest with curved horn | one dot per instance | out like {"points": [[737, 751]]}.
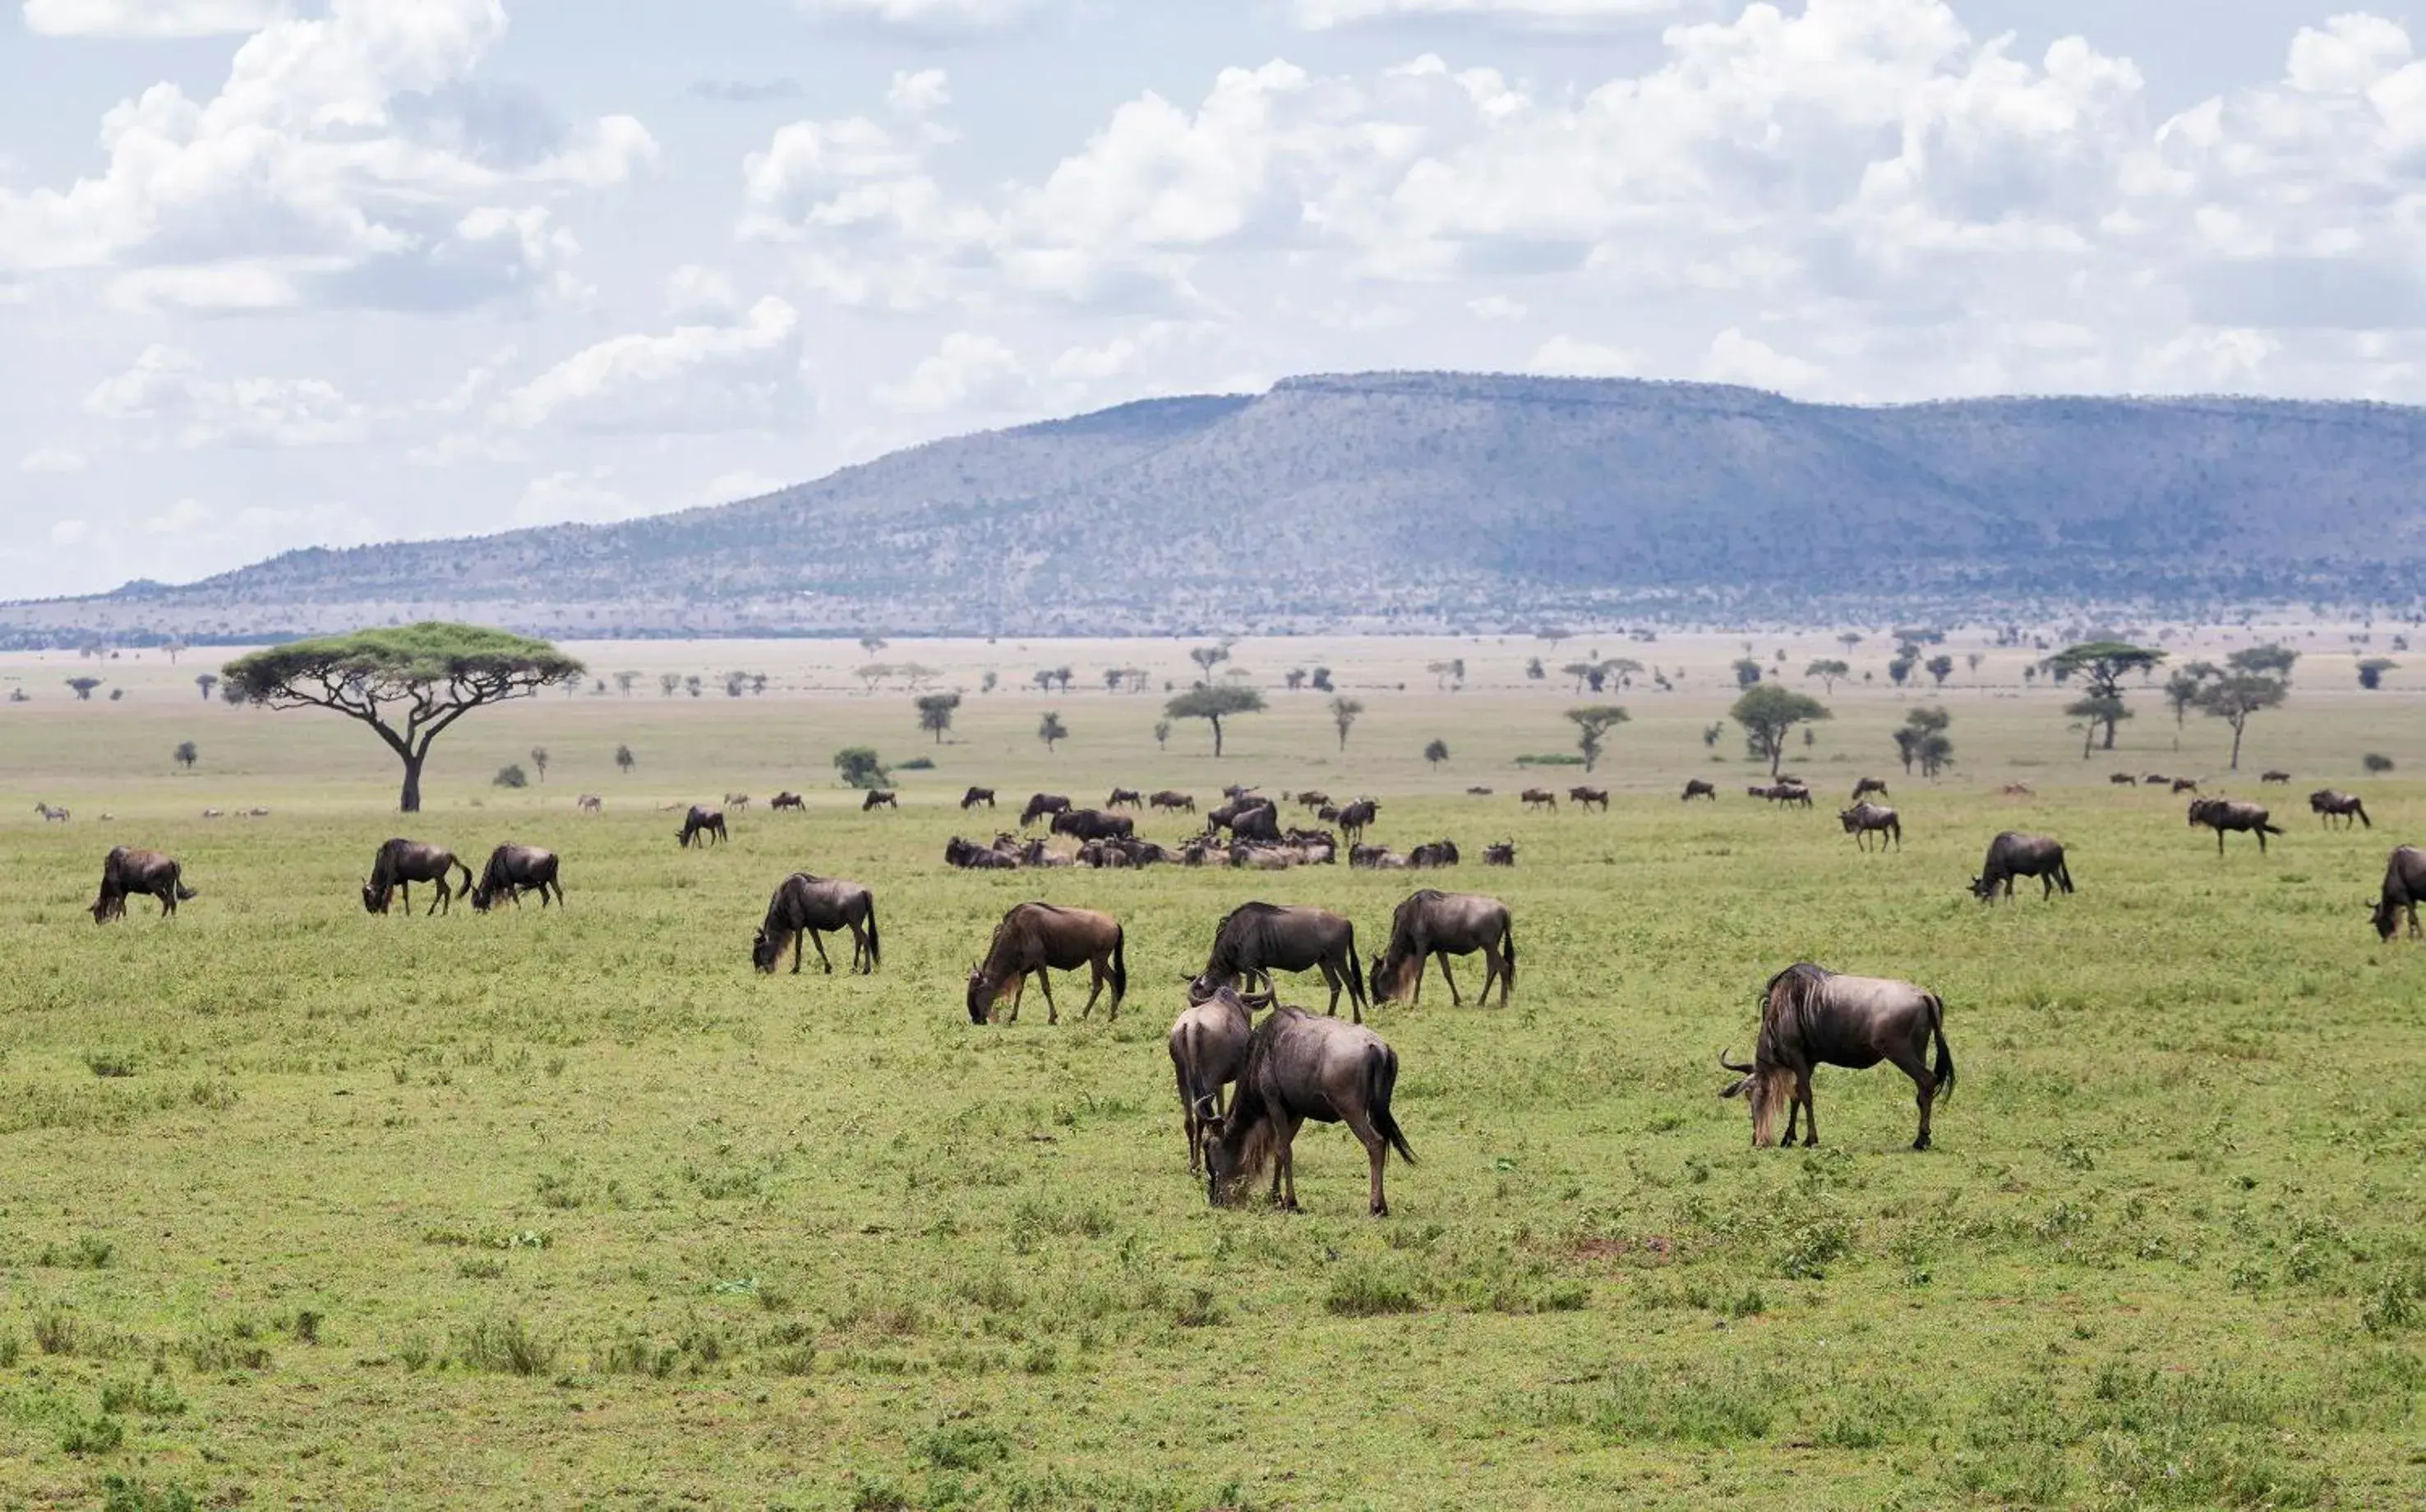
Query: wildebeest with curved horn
{"points": [[1354, 816], [1209, 1048], [1034, 938], [1587, 797], [2404, 886], [880, 798], [1300, 1067], [1812, 1017], [125, 870], [975, 797], [1869, 785], [511, 868], [1502, 854], [1041, 804], [2328, 805], [2223, 814], [810, 906], [402, 862], [1125, 797], [1175, 802], [1864, 819], [1254, 939], [1538, 798], [1696, 788], [1094, 824], [705, 826], [2013, 854], [1432, 923]]}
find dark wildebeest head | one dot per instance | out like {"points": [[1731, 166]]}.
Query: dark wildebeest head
{"points": [[2404, 887]]}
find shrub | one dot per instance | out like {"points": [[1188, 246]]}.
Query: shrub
{"points": [[917, 764], [509, 775], [97, 1437], [120, 1494], [1361, 1292], [504, 1346], [964, 1446], [1552, 759], [2377, 763]]}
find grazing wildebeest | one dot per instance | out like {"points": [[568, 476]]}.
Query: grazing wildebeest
{"points": [[1209, 1048], [1300, 1067], [1439, 924], [975, 797], [1790, 793], [512, 868], [1176, 802], [1125, 797], [402, 862], [1094, 824], [2013, 854], [1503, 854], [737, 802], [880, 798], [2404, 884], [1256, 821], [214, 814], [1435, 853], [1538, 798], [1313, 801], [707, 825], [813, 906], [1696, 788], [125, 870], [1811, 1016], [1478, 793], [1586, 797], [788, 800], [2018, 790], [1041, 804], [1869, 785], [590, 803], [2327, 804], [51, 815], [1034, 937], [1375, 858], [2123, 780], [1864, 819], [1353, 817], [2223, 814], [2186, 784], [2156, 780], [2274, 775], [1255, 940]]}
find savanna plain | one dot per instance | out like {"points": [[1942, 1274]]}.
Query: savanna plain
{"points": [[551, 1208]]}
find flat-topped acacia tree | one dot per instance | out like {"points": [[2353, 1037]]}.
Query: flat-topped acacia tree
{"points": [[409, 684]]}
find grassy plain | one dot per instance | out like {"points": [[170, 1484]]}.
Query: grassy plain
{"points": [[305, 1208]]}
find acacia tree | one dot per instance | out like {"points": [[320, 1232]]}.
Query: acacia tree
{"points": [[1592, 723], [1767, 712], [83, 686], [207, 682], [1162, 734], [187, 755], [2371, 671], [935, 712], [1207, 658], [539, 760], [1051, 731], [409, 684], [625, 759], [1215, 705], [1343, 717], [1747, 672], [1827, 670], [2182, 689], [1923, 739], [1436, 753], [2101, 665], [1940, 668], [2236, 696]]}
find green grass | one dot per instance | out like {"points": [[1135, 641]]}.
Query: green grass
{"points": [[547, 1209]]}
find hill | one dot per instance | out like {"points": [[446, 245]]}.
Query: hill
{"points": [[1431, 501]]}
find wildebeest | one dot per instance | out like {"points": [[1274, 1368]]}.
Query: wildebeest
{"points": [[1255, 940], [812, 907], [1125, 797], [1869, 785], [1240, 793], [1811, 1016], [1300, 1067], [1431, 924], [1375, 858], [2223, 814], [1354, 816], [2274, 775], [50, 814], [2013, 854], [880, 798], [125, 870], [214, 814], [590, 803], [1042, 804], [402, 862], [1094, 824], [1256, 821], [2186, 784], [1502, 854], [1176, 802], [512, 868], [1538, 798], [2123, 780], [1034, 854], [1864, 819], [1035, 937], [788, 800], [2326, 804], [970, 856], [1313, 801], [1782, 793], [707, 825], [1696, 788], [2404, 884], [737, 802], [975, 797], [1434, 854], [2018, 790], [1478, 792], [1586, 797], [1209, 1048]]}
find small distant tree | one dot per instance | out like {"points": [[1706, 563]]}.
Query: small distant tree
{"points": [[694, 684], [1582, 672], [175, 648], [1767, 713], [1207, 658], [1850, 639], [2265, 661], [117, 694], [1042, 678], [1713, 732], [1051, 731], [624, 681], [1062, 676], [758, 684], [989, 683], [1436, 753], [935, 712], [2370, 672], [1827, 670], [668, 683], [539, 760], [2101, 665], [1922, 740], [1213, 705], [1534, 671], [1321, 679], [736, 683], [1621, 670], [209, 681], [872, 673], [1112, 676], [624, 760], [2182, 689], [1940, 668], [2237, 696], [1971, 661], [83, 686], [1295, 678], [1162, 734], [1900, 669], [187, 754], [1343, 717], [916, 675], [2376, 762], [1591, 724], [510, 776], [858, 766], [870, 645]]}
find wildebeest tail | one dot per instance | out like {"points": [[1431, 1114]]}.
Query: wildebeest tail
{"points": [[2273, 830], [184, 893], [2361, 810], [1380, 1076], [2063, 875], [1944, 1070], [1119, 964], [1507, 953], [875, 950], [467, 889]]}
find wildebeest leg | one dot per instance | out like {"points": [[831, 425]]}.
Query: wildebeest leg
{"points": [[2260, 833], [1810, 1112], [1330, 980], [1454, 1000], [797, 946], [1909, 1060], [1377, 1150], [820, 941], [1284, 1160], [1097, 974], [1045, 985]]}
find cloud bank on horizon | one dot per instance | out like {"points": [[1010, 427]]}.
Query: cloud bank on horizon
{"points": [[331, 271]]}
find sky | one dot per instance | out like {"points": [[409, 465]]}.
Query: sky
{"points": [[281, 273]]}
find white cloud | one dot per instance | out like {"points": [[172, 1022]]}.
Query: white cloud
{"points": [[921, 93], [1566, 356], [1130, 356], [1735, 358], [71, 532], [52, 460], [741, 376], [693, 292], [967, 372], [1322, 15], [586, 495], [149, 18], [1496, 307], [167, 392], [932, 19]]}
